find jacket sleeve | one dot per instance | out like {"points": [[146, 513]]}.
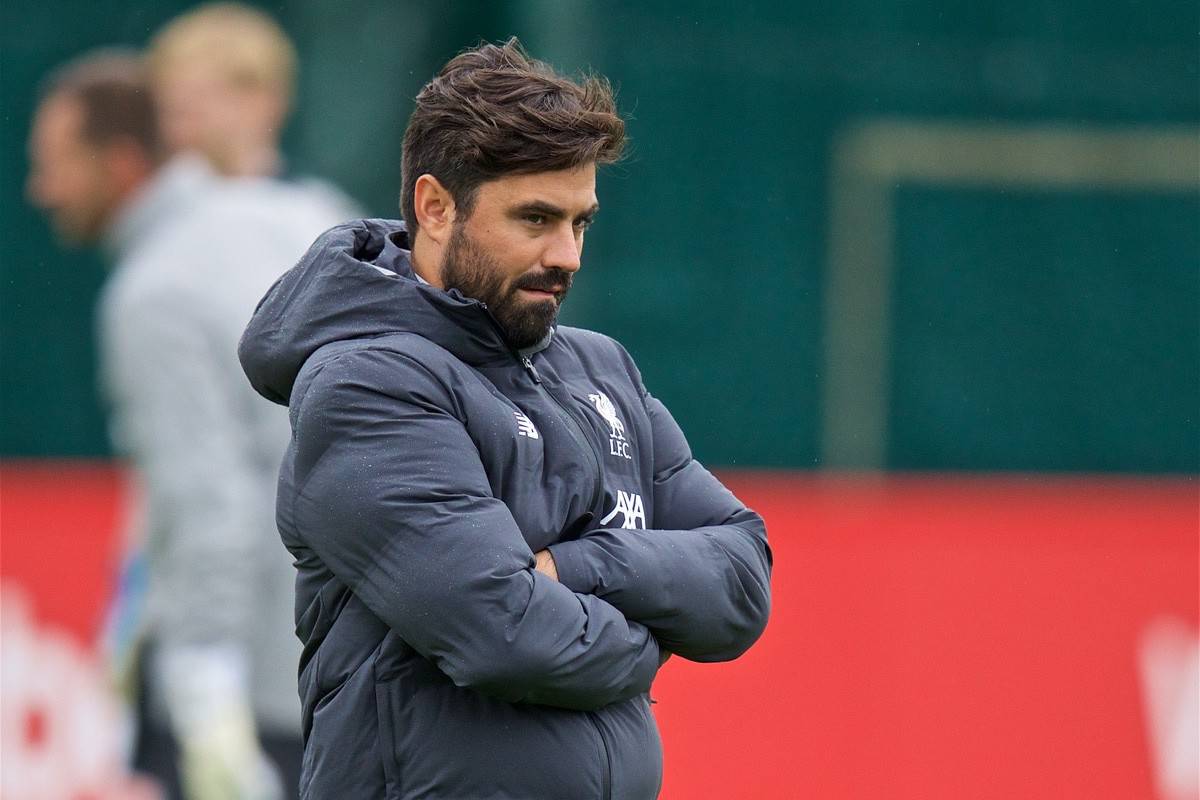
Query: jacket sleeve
{"points": [[700, 578], [175, 417], [394, 499]]}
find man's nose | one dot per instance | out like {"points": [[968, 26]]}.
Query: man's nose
{"points": [[564, 249]]}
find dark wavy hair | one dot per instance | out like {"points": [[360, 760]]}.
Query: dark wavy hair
{"points": [[494, 111]]}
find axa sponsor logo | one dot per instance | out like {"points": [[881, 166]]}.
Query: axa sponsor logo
{"points": [[618, 445], [630, 508]]}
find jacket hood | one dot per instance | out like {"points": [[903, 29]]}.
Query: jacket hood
{"points": [[357, 282]]}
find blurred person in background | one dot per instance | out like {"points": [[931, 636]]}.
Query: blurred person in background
{"points": [[224, 76], [193, 253]]}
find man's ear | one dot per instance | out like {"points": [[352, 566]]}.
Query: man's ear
{"points": [[434, 208]]}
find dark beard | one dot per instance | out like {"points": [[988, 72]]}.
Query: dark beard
{"points": [[477, 274]]}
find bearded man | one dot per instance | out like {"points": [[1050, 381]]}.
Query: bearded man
{"points": [[500, 534]]}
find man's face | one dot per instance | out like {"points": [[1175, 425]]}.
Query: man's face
{"points": [[69, 178], [520, 248]]}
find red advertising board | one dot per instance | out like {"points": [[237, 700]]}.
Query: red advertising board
{"points": [[931, 637]]}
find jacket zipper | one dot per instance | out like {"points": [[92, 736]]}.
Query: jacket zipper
{"points": [[581, 434], [527, 362], [606, 783]]}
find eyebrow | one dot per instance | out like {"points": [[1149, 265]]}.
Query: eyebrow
{"points": [[551, 211]]}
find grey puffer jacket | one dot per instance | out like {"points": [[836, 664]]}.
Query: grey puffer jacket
{"points": [[429, 461]]}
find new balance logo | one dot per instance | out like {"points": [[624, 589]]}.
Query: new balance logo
{"points": [[629, 506], [617, 444], [525, 427]]}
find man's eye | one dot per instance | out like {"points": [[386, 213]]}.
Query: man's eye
{"points": [[583, 224], [535, 219]]}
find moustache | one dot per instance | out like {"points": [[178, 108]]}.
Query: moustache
{"points": [[553, 280]]}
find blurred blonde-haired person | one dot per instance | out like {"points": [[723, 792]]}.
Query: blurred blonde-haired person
{"points": [[224, 76]]}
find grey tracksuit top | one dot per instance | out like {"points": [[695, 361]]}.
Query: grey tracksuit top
{"points": [[428, 462], [194, 253]]}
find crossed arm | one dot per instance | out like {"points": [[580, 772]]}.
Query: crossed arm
{"points": [[393, 498], [699, 579], [450, 572]]}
